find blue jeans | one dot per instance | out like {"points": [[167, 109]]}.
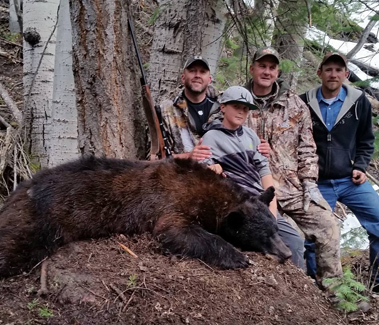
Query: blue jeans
{"points": [[363, 201], [293, 241]]}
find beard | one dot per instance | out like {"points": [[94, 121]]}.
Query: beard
{"points": [[195, 90], [333, 86]]}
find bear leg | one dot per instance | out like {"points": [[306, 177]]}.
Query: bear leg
{"points": [[195, 242]]}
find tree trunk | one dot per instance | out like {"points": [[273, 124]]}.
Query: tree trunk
{"points": [[289, 34], [267, 10], [39, 50], [15, 16], [110, 114], [183, 28], [63, 141]]}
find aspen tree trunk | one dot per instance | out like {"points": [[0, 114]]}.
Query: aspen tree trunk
{"points": [[289, 36], [267, 10], [39, 53], [184, 28], [63, 141], [110, 113]]}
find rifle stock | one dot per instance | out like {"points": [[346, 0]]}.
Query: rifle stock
{"points": [[158, 149]]}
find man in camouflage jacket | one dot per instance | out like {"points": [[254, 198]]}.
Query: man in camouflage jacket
{"points": [[284, 124], [194, 106]]}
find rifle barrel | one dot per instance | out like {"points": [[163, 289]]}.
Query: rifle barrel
{"points": [[131, 28]]}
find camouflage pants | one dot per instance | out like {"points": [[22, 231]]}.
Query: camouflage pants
{"points": [[322, 227]]}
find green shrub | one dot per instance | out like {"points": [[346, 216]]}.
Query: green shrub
{"points": [[347, 290]]}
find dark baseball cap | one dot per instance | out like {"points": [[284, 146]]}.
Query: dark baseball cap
{"points": [[194, 59], [237, 94], [334, 55], [265, 51]]}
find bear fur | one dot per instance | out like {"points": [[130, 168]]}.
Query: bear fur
{"points": [[191, 210]]}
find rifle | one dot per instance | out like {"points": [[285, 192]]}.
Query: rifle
{"points": [[159, 147]]}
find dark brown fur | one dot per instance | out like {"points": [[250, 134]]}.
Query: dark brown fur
{"points": [[192, 211]]}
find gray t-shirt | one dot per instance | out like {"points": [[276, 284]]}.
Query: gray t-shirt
{"points": [[236, 152]]}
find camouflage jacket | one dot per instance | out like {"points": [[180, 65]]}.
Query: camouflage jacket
{"points": [[182, 135], [284, 120]]}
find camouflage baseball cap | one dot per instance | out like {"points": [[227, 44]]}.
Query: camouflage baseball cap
{"points": [[264, 51], [237, 94], [336, 55], [194, 59]]}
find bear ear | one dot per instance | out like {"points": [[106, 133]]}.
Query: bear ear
{"points": [[267, 196], [235, 220]]}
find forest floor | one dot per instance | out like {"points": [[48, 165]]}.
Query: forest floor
{"points": [[97, 282]]}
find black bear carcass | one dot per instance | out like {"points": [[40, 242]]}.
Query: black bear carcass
{"points": [[192, 211]]}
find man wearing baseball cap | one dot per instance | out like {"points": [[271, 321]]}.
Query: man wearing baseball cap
{"points": [[284, 125], [342, 129], [194, 106]]}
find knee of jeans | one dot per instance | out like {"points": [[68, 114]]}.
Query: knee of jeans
{"points": [[298, 244]]}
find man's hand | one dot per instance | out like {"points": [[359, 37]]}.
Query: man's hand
{"points": [[312, 193], [200, 152], [264, 148], [358, 177]]}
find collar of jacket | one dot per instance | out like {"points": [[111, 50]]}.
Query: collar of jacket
{"points": [[217, 125], [352, 96], [281, 87], [181, 103]]}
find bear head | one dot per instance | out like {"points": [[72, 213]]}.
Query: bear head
{"points": [[252, 227]]}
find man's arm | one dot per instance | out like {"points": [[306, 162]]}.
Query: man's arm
{"points": [[364, 140], [200, 152], [306, 151]]}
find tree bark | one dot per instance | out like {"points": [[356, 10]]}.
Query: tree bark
{"points": [[15, 16], [184, 28], [39, 29], [289, 36], [63, 140], [110, 114], [267, 10]]}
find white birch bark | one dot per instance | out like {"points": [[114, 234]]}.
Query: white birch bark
{"points": [[39, 74], [63, 140], [267, 10], [183, 29]]}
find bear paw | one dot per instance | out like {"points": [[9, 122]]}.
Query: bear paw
{"points": [[235, 261]]}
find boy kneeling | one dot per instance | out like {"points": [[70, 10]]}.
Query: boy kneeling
{"points": [[234, 153]]}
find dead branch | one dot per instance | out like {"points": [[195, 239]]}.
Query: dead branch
{"points": [[11, 104], [94, 293], [342, 210], [43, 291], [309, 12], [10, 43], [128, 302], [126, 249], [119, 292], [372, 178], [6, 147], [8, 56]]}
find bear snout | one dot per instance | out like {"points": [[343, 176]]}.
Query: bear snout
{"points": [[278, 249]]}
